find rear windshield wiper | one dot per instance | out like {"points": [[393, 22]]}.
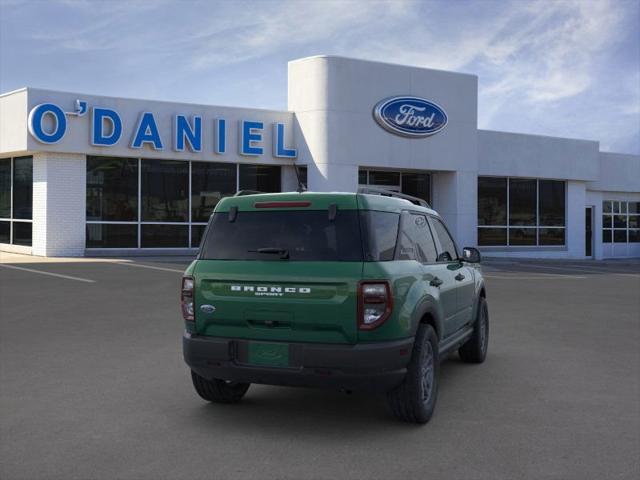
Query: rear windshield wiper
{"points": [[284, 253]]}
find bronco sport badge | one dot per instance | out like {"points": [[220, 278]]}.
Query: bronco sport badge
{"points": [[271, 291]]}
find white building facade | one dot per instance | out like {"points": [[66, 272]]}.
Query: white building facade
{"points": [[94, 175]]}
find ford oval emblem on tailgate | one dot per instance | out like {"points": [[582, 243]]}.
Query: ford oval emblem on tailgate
{"points": [[410, 116], [207, 308]]}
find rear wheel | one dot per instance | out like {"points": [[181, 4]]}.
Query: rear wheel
{"points": [[219, 391], [415, 399], [475, 349]]}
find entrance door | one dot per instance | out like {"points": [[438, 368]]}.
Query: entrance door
{"points": [[588, 232]]}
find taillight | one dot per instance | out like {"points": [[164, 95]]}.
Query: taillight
{"points": [[375, 303], [186, 298]]}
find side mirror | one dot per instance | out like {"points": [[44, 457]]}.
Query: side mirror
{"points": [[471, 255]]}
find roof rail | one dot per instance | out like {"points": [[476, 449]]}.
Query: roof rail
{"points": [[242, 193], [389, 193]]}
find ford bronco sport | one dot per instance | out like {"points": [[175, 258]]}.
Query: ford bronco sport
{"points": [[352, 291]]}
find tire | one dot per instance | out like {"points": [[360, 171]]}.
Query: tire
{"points": [[219, 391], [414, 400], [475, 349]]}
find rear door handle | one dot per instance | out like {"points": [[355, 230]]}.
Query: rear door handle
{"points": [[436, 282], [459, 277]]}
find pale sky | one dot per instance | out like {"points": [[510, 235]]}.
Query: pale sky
{"points": [[567, 68]]}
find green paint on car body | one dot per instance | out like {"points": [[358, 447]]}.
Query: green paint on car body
{"points": [[305, 288]]}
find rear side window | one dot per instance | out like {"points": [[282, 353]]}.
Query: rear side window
{"points": [[379, 232], [448, 249], [416, 242], [304, 235]]}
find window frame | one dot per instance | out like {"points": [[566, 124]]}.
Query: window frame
{"points": [[134, 161], [404, 215], [146, 204], [618, 208], [11, 219], [436, 238], [230, 172], [505, 197], [396, 188], [538, 226], [189, 223]]}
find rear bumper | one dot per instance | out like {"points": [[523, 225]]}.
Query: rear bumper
{"points": [[377, 366]]}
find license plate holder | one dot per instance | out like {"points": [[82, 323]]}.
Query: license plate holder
{"points": [[268, 354]]}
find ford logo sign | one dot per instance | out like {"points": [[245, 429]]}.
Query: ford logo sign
{"points": [[410, 116]]}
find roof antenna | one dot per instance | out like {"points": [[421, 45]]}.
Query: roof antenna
{"points": [[301, 186]]}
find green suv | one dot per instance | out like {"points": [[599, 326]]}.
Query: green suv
{"points": [[352, 291]]}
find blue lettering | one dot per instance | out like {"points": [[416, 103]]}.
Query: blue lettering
{"points": [[147, 132], [249, 136], [98, 136], [36, 116], [221, 129], [279, 150], [184, 131]]}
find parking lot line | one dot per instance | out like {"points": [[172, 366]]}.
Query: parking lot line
{"points": [[564, 268], [151, 267], [58, 275], [536, 276]]}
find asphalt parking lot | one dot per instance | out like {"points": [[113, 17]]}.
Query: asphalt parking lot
{"points": [[93, 386]]}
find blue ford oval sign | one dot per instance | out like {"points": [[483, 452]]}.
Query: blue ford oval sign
{"points": [[410, 116]]}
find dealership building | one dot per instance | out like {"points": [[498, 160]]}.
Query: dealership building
{"points": [[94, 175]]}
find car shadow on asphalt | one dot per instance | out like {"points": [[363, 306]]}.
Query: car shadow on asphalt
{"points": [[301, 411]]}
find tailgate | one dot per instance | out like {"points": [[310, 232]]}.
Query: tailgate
{"points": [[280, 301]]}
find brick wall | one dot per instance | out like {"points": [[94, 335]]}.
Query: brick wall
{"points": [[59, 198]]}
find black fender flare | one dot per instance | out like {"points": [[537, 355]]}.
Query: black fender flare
{"points": [[479, 289], [428, 307]]}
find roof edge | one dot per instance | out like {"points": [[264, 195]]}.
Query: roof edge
{"points": [[394, 64]]}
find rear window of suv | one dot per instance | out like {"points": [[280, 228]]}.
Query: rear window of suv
{"points": [[307, 235], [304, 235]]}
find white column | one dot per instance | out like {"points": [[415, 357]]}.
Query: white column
{"points": [[455, 199], [59, 204], [332, 177], [575, 227]]}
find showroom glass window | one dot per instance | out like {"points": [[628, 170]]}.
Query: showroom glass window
{"points": [[164, 199], [261, 178], [209, 183], [165, 189], [302, 173], [416, 184], [492, 210], [112, 189], [521, 212], [551, 211], [144, 203], [16, 200], [620, 221], [112, 202]]}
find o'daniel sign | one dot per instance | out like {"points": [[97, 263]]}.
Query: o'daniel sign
{"points": [[48, 123], [408, 116]]}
